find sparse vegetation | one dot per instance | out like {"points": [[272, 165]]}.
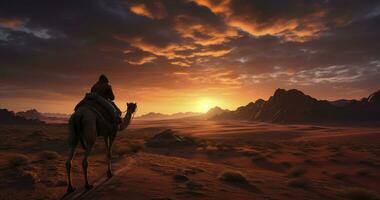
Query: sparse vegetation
{"points": [[258, 157], [363, 172], [286, 164], [300, 182], [264, 146], [18, 160], [192, 170], [135, 148], [334, 147], [238, 179], [235, 177], [127, 149], [49, 155], [299, 153], [369, 163], [224, 147], [180, 178], [340, 176], [191, 185], [309, 161], [297, 172], [359, 194]]}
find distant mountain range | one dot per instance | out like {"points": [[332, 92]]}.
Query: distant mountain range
{"points": [[293, 106], [160, 116], [181, 115], [285, 106], [46, 117], [9, 117], [31, 116]]}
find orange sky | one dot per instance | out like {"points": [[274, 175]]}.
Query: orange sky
{"points": [[186, 55]]}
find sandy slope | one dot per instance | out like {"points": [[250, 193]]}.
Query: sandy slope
{"points": [[277, 161]]}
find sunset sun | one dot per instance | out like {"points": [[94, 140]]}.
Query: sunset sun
{"points": [[205, 104]]}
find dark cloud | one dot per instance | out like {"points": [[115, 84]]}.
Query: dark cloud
{"points": [[57, 49]]}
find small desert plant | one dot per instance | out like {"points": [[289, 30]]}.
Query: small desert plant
{"points": [[191, 185], [126, 149], [286, 164], [309, 161], [258, 157], [369, 163], [297, 172], [299, 153], [49, 155], [235, 177], [359, 194], [135, 148], [334, 147], [18, 160], [180, 178], [299, 183], [340, 176], [363, 172]]}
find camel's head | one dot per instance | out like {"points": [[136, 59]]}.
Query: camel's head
{"points": [[131, 107]]}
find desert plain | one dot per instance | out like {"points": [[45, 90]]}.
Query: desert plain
{"points": [[229, 160]]}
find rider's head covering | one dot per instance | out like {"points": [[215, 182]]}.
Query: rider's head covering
{"points": [[103, 78]]}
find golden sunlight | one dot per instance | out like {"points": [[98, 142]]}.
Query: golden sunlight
{"points": [[205, 104]]}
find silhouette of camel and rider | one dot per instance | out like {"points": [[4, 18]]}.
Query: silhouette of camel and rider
{"points": [[96, 115]]}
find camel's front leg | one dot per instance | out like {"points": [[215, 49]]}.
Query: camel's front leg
{"points": [[70, 187], [72, 142], [107, 140]]}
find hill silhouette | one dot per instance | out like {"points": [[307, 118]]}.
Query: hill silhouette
{"points": [[9, 117], [160, 116], [293, 106]]}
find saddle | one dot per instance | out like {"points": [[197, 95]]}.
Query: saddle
{"points": [[106, 112]]}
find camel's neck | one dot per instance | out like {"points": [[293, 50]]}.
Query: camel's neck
{"points": [[127, 119]]}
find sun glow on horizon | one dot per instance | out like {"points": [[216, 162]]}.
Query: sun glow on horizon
{"points": [[205, 104]]}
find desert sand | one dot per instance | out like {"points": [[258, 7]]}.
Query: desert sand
{"points": [[232, 160]]}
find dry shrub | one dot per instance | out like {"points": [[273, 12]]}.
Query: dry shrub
{"points": [[286, 164], [258, 157], [235, 177], [180, 178], [369, 163], [363, 172], [297, 172], [191, 185], [340, 176], [334, 147], [359, 194], [301, 182], [49, 155], [18, 160], [122, 149]]}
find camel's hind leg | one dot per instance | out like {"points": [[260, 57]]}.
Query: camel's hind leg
{"points": [[89, 138], [85, 166], [72, 141]]}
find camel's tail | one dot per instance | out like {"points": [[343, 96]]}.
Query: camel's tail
{"points": [[75, 124]]}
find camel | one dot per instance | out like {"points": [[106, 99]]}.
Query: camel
{"points": [[85, 129]]}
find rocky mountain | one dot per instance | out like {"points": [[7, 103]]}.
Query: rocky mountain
{"points": [[293, 106], [243, 112], [9, 117], [213, 112], [160, 116], [46, 117], [30, 114]]}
